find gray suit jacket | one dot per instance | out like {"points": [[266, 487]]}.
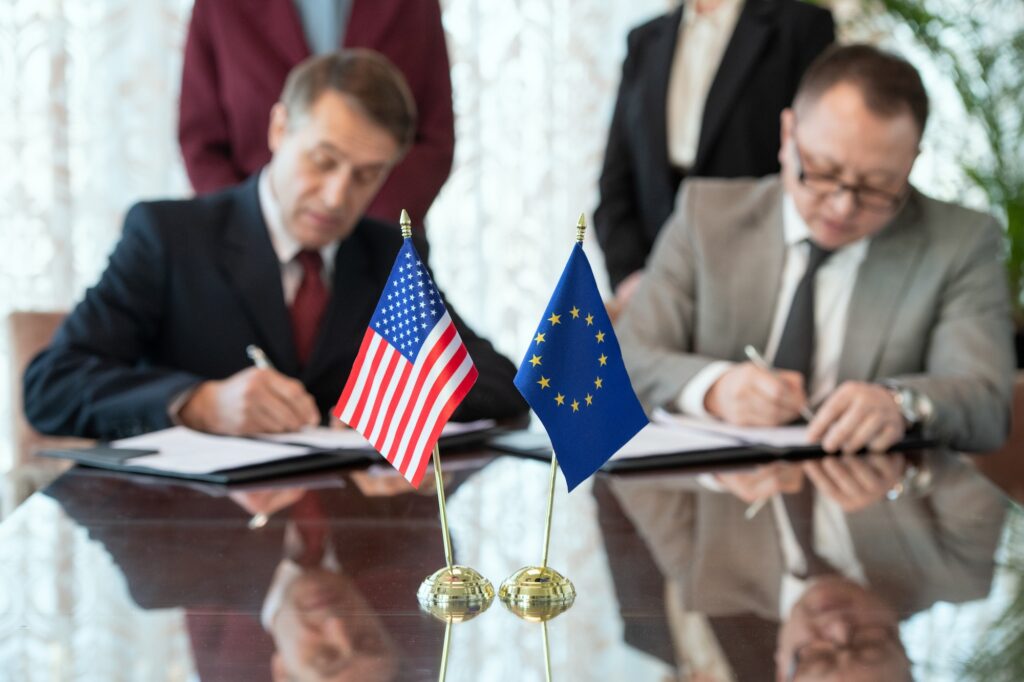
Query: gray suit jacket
{"points": [[915, 551], [929, 308]]}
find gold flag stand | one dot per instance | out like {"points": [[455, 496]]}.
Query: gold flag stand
{"points": [[540, 613], [542, 585], [454, 591], [452, 614], [541, 588]]}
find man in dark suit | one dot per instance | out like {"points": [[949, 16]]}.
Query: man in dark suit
{"points": [[285, 261], [237, 56], [697, 99]]}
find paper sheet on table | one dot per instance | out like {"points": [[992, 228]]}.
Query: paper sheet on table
{"points": [[186, 451], [774, 436], [324, 438], [661, 439]]}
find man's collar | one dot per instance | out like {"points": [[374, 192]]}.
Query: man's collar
{"points": [[795, 230], [285, 245]]}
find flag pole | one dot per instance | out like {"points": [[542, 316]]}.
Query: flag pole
{"points": [[547, 651], [443, 673], [439, 481], [453, 590], [551, 507]]}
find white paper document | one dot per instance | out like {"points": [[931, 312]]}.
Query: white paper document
{"points": [[774, 436], [185, 451], [659, 439], [323, 438]]}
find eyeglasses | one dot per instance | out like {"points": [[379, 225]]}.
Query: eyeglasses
{"points": [[827, 184], [867, 645]]}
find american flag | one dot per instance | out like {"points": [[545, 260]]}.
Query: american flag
{"points": [[411, 373]]}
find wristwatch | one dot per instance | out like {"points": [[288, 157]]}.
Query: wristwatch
{"points": [[916, 408]]}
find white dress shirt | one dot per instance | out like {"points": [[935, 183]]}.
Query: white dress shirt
{"points": [[702, 39], [285, 245]]}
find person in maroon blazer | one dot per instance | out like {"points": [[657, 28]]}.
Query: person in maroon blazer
{"points": [[237, 56]]}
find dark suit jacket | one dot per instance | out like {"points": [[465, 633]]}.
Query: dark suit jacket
{"points": [[237, 56], [188, 287], [772, 45]]}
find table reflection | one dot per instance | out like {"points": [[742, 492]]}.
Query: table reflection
{"points": [[674, 582], [736, 610]]}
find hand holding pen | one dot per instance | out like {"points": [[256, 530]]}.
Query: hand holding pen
{"points": [[257, 399]]}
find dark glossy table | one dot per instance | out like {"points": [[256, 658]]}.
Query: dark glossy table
{"points": [[110, 577]]}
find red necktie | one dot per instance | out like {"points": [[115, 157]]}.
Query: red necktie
{"points": [[309, 304], [311, 523]]}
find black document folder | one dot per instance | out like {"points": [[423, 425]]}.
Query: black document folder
{"points": [[537, 446], [105, 456]]}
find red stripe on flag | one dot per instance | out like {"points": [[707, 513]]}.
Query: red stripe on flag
{"points": [[425, 366], [443, 377], [382, 389], [390, 408], [442, 419], [353, 374], [357, 413]]}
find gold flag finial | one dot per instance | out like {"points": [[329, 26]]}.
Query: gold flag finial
{"points": [[406, 224], [581, 228]]}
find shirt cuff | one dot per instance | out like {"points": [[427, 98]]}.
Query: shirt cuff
{"points": [[176, 405], [691, 401]]}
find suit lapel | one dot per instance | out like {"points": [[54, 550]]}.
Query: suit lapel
{"points": [[283, 29], [354, 292], [883, 278], [755, 26], [250, 265], [661, 51], [758, 274]]}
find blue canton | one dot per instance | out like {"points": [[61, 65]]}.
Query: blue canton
{"points": [[410, 305]]}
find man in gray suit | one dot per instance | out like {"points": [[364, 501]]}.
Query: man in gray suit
{"points": [[888, 308]]}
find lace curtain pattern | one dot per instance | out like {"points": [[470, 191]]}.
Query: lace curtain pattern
{"points": [[91, 120]]}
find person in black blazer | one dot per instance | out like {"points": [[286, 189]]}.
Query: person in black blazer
{"points": [[162, 338], [772, 44]]}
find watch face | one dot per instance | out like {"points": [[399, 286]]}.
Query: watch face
{"points": [[908, 406]]}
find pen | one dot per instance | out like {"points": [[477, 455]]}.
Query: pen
{"points": [[258, 357], [761, 363], [805, 412], [756, 507]]}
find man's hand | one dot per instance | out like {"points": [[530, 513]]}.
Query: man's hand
{"points": [[855, 482], [251, 401], [749, 396], [855, 416], [763, 481]]}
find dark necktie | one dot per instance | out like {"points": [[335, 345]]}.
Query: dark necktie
{"points": [[796, 346], [800, 510], [308, 307], [796, 352]]}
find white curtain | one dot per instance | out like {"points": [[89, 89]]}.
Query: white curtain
{"points": [[90, 90]]}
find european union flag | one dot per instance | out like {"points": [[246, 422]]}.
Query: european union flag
{"points": [[574, 379]]}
